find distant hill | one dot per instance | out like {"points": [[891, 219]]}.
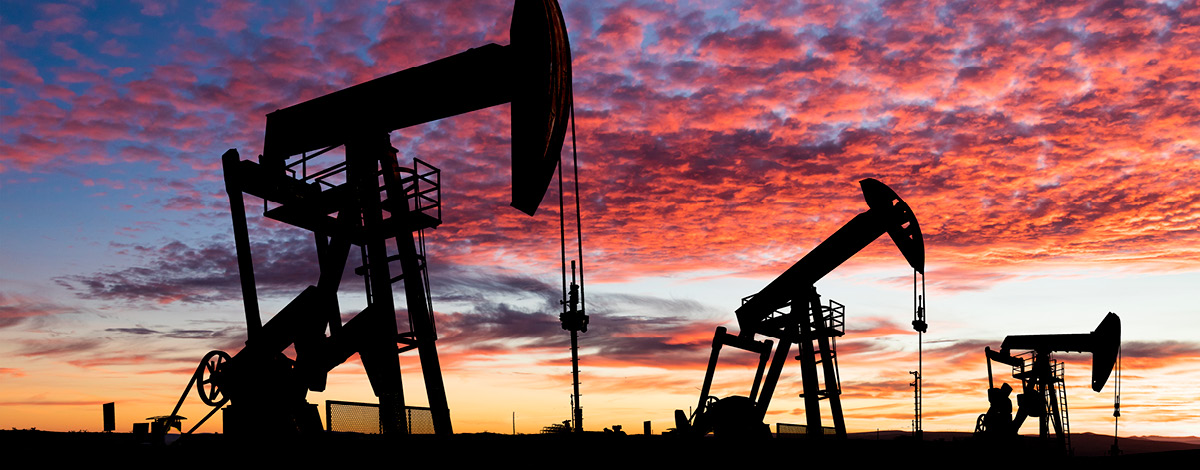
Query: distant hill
{"points": [[1085, 444], [1185, 440]]}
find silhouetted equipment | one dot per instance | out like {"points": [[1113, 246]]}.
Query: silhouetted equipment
{"points": [[556, 428], [206, 388], [806, 322], [533, 73], [1044, 394], [1116, 448], [110, 416], [574, 320], [921, 327], [369, 200], [916, 385], [363, 418], [160, 425]]}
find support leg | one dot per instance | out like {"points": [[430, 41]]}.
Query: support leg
{"points": [[415, 290], [801, 310], [241, 236], [712, 368], [781, 354], [833, 391], [379, 353]]}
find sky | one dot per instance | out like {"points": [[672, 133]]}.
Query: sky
{"points": [[1050, 151]]}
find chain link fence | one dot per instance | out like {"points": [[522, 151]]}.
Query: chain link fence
{"points": [[784, 430], [345, 416]]}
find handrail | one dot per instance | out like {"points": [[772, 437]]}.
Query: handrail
{"points": [[318, 153]]}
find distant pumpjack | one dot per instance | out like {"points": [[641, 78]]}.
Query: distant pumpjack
{"points": [[370, 201], [807, 322], [1044, 392]]}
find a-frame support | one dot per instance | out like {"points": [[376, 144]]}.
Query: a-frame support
{"points": [[814, 326], [368, 158], [373, 333]]}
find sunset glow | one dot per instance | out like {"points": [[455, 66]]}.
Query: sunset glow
{"points": [[1051, 153]]}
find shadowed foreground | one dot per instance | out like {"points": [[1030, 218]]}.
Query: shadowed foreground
{"points": [[938, 450]]}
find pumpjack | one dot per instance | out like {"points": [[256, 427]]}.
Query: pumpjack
{"points": [[805, 322], [1044, 393], [369, 200]]}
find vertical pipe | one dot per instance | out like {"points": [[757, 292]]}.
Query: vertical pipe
{"points": [[578, 412], [920, 377]]}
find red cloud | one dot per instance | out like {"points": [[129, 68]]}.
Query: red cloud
{"points": [[1059, 134]]}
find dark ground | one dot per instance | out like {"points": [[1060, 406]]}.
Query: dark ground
{"points": [[937, 450]]}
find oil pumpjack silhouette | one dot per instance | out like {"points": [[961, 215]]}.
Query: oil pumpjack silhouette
{"points": [[370, 201], [1044, 392], [806, 321]]}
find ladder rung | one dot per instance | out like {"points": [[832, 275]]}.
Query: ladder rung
{"points": [[362, 270], [832, 355]]}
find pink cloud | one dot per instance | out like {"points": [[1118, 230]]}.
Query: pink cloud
{"points": [[708, 130], [65, 51], [59, 18], [228, 16], [114, 48], [19, 71], [155, 7]]}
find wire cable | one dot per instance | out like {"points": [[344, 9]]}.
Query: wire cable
{"points": [[578, 211]]}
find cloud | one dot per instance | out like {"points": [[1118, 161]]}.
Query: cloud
{"points": [[132, 331], [19, 71], [235, 333], [51, 347], [228, 16], [39, 402], [155, 7], [1142, 355], [60, 18], [178, 272], [96, 361], [12, 371], [958, 354], [726, 142], [1013, 141], [18, 309], [624, 329]]}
